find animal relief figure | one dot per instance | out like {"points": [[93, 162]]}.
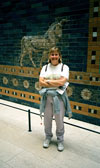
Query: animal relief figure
{"points": [[32, 45]]}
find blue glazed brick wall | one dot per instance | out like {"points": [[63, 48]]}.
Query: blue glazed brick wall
{"points": [[20, 18], [30, 17]]}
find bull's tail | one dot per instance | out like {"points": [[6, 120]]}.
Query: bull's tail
{"points": [[22, 51], [22, 45]]}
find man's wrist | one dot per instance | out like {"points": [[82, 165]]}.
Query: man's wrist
{"points": [[48, 81]]}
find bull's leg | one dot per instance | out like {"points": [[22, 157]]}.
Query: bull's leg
{"points": [[30, 56], [44, 57], [21, 59]]}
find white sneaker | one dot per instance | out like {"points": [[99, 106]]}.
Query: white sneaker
{"points": [[60, 146], [46, 143]]}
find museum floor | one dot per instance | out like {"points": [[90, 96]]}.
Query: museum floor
{"points": [[20, 148]]}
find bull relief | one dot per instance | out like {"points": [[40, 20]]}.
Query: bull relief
{"points": [[33, 45]]}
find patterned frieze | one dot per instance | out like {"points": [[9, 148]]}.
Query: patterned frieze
{"points": [[19, 82], [20, 71], [24, 88], [88, 78], [85, 94], [80, 108]]}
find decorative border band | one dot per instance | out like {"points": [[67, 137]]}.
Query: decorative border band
{"points": [[79, 108], [75, 77]]}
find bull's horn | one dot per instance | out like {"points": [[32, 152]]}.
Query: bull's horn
{"points": [[63, 21]]}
